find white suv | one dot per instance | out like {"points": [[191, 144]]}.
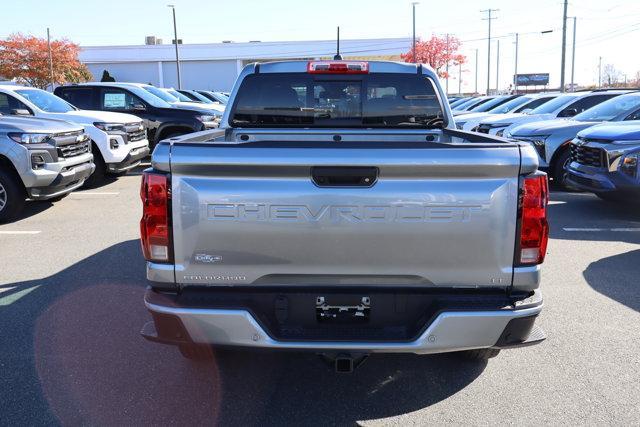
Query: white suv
{"points": [[119, 140]]}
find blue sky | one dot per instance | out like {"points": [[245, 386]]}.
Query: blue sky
{"points": [[610, 29]]}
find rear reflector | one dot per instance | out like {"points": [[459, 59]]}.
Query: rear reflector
{"points": [[338, 67], [534, 229], [155, 228]]}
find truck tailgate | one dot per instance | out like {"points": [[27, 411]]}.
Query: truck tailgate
{"points": [[443, 215]]}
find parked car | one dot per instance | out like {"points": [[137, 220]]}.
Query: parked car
{"points": [[306, 224], [162, 120], [40, 159], [119, 140], [521, 104], [459, 101], [196, 96], [221, 97], [472, 104], [486, 106], [551, 138], [604, 161], [166, 95], [563, 106]]}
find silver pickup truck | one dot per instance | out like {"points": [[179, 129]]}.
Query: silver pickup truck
{"points": [[339, 210]]}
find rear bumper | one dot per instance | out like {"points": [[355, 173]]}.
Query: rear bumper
{"points": [[449, 331]]}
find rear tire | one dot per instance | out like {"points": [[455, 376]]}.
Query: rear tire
{"points": [[99, 174], [196, 351], [12, 196], [480, 353]]}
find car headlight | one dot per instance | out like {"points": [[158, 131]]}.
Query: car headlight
{"points": [[629, 165], [29, 138], [110, 127], [209, 121]]}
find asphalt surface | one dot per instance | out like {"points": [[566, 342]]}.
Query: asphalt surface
{"points": [[70, 351]]}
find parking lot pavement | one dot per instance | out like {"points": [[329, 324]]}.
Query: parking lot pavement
{"points": [[71, 286]]}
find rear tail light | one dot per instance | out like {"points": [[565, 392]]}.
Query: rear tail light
{"points": [[534, 229], [155, 225], [338, 67]]}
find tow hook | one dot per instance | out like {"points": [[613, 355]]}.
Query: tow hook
{"points": [[344, 363]]}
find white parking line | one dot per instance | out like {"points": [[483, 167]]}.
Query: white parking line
{"points": [[586, 229], [20, 231], [96, 193]]}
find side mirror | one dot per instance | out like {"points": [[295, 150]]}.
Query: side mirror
{"points": [[569, 112], [139, 107], [21, 112]]}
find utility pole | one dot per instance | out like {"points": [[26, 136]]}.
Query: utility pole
{"points": [[599, 72], [515, 73], [489, 18], [460, 79], [447, 66], [175, 36], [498, 67], [414, 30], [564, 45], [573, 56], [476, 90], [50, 58]]}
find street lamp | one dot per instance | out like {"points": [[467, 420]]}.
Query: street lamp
{"points": [[175, 40], [413, 5]]}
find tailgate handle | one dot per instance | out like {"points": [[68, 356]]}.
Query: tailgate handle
{"points": [[344, 176]]}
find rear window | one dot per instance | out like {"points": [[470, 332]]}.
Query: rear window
{"points": [[367, 100]]}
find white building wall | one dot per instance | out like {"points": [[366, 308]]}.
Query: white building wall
{"points": [[139, 72], [205, 75]]}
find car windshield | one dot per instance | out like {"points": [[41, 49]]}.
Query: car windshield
{"points": [[490, 104], [510, 105], [179, 96], [221, 97], [161, 94], [463, 105], [201, 97], [364, 100], [610, 109], [148, 97], [554, 104], [46, 101]]}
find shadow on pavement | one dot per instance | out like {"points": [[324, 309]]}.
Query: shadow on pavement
{"points": [[583, 210], [617, 278], [72, 354], [31, 208]]}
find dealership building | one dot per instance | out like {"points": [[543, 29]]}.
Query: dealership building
{"points": [[215, 66]]}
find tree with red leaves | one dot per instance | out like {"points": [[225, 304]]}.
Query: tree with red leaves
{"points": [[26, 59], [437, 52]]}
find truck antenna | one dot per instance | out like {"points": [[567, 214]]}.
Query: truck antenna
{"points": [[337, 56]]}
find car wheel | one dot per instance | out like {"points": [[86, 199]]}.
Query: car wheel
{"points": [[98, 175], [12, 197], [196, 351], [560, 171], [480, 353]]}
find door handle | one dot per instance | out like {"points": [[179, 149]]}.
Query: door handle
{"points": [[344, 176]]}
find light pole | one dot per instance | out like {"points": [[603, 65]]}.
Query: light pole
{"points": [[498, 66], [515, 74], [489, 18], [413, 5], [50, 59], [564, 45], [447, 66], [175, 37], [573, 56], [476, 89]]}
